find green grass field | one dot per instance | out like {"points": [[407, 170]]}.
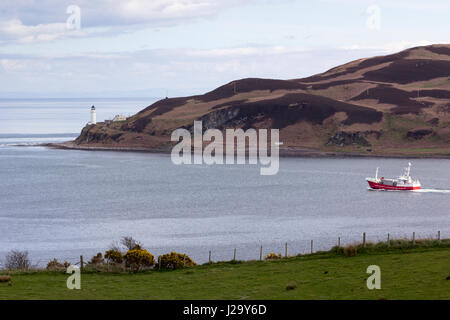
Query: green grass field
{"points": [[421, 273]]}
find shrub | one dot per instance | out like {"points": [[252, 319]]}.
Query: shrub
{"points": [[55, 265], [175, 260], [97, 259], [337, 250], [350, 251], [273, 256], [138, 258], [17, 260], [131, 244], [114, 256]]}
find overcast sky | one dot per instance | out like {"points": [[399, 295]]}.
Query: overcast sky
{"points": [[184, 47]]}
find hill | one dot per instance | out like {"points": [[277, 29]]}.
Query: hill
{"points": [[397, 104]]}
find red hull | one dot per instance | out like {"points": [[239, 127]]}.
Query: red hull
{"points": [[375, 185]]}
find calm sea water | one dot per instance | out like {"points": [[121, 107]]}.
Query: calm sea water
{"points": [[63, 204], [50, 116]]}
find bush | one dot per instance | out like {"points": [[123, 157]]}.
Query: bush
{"points": [[138, 259], [17, 260], [337, 250], [97, 259], [273, 256], [175, 260], [114, 256], [350, 251], [55, 265]]}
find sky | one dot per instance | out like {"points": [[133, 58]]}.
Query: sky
{"points": [[154, 48]]}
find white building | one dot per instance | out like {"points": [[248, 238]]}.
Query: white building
{"points": [[119, 117]]}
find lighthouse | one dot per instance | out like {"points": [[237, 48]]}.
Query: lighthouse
{"points": [[93, 116]]}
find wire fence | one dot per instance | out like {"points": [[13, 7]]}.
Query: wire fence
{"points": [[259, 252]]}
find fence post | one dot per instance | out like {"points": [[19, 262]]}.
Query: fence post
{"points": [[364, 240], [312, 246], [260, 253], [234, 256], [388, 241], [414, 239], [81, 264], [159, 262], [285, 250], [209, 256], [439, 238], [339, 242], [184, 260]]}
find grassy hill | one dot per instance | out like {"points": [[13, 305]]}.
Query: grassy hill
{"points": [[395, 104]]}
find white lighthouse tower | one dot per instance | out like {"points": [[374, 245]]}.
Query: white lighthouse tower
{"points": [[93, 116]]}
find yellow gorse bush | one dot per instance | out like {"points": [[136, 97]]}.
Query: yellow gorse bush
{"points": [[273, 256], [138, 258], [175, 260], [114, 256]]}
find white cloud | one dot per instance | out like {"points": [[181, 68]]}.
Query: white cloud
{"points": [[24, 66], [45, 20], [14, 29], [244, 51], [177, 70], [9, 65], [391, 47]]}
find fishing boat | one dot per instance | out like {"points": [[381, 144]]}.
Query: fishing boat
{"points": [[403, 183]]}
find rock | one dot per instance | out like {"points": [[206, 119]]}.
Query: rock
{"points": [[342, 138], [434, 121], [418, 134]]}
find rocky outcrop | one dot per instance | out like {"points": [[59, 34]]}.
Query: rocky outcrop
{"points": [[342, 138], [418, 134], [92, 134], [219, 118], [434, 121]]}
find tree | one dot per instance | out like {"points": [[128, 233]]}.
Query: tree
{"points": [[17, 260]]}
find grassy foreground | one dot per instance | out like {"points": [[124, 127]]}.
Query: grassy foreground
{"points": [[419, 273]]}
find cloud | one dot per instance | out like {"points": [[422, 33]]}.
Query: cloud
{"points": [[27, 21], [9, 65], [181, 71], [245, 51], [45, 20], [14, 29], [402, 4], [390, 47]]}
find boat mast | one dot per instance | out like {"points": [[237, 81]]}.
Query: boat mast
{"points": [[376, 173], [409, 169]]}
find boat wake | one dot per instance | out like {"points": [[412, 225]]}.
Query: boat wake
{"points": [[432, 190], [416, 191]]}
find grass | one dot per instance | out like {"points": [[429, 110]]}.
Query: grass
{"points": [[407, 272]]}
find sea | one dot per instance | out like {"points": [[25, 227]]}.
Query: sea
{"points": [[66, 203]]}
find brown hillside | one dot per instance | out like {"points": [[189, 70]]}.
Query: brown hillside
{"points": [[378, 105]]}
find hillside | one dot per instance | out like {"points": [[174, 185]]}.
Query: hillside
{"points": [[394, 104]]}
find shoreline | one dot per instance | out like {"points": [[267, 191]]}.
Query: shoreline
{"points": [[284, 152]]}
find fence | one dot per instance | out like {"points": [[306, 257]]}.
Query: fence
{"points": [[364, 243]]}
